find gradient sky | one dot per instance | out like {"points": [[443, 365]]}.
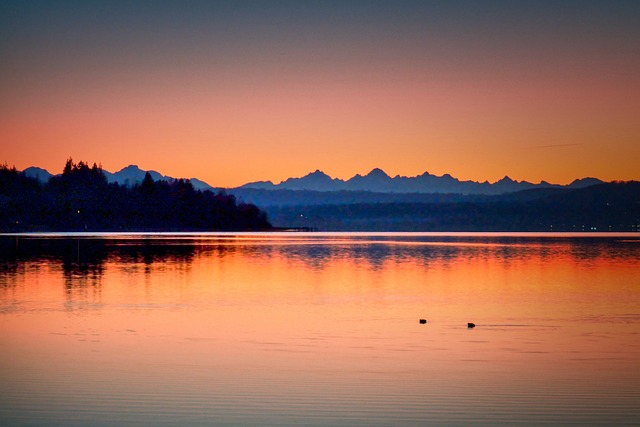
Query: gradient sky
{"points": [[232, 92]]}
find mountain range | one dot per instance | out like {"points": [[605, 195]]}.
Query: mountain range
{"points": [[376, 181], [378, 202], [128, 176]]}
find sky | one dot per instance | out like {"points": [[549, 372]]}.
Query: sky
{"points": [[235, 92]]}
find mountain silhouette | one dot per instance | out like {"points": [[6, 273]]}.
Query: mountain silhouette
{"points": [[128, 176], [40, 174], [376, 181], [132, 175], [317, 180], [380, 182]]}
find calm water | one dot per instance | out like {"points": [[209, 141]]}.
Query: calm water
{"points": [[319, 329]]}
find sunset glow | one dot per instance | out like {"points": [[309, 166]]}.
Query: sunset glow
{"points": [[238, 92], [319, 329]]}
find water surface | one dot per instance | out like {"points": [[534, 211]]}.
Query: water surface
{"points": [[319, 329]]}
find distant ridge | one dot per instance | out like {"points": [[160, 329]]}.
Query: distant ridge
{"points": [[376, 181], [380, 182]]}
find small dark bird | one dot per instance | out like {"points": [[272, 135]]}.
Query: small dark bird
{"points": [[471, 325], [423, 321]]}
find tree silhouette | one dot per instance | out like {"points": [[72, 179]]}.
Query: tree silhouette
{"points": [[82, 199]]}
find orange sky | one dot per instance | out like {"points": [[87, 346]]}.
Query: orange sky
{"points": [[264, 92]]}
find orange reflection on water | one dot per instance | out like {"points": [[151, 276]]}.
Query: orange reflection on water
{"points": [[325, 318]]}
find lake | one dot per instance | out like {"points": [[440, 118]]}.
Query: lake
{"points": [[319, 329]]}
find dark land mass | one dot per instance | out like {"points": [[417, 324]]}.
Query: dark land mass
{"points": [[375, 182], [281, 198], [81, 199], [604, 207]]}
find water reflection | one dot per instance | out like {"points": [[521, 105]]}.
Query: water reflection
{"points": [[319, 330], [82, 260]]}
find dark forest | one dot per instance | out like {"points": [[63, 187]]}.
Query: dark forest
{"points": [[81, 199]]}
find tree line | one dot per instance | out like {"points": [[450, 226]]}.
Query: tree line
{"points": [[81, 199], [611, 206]]}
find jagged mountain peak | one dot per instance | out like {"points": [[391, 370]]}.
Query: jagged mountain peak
{"points": [[506, 179], [316, 181], [318, 173], [315, 176], [377, 173]]}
